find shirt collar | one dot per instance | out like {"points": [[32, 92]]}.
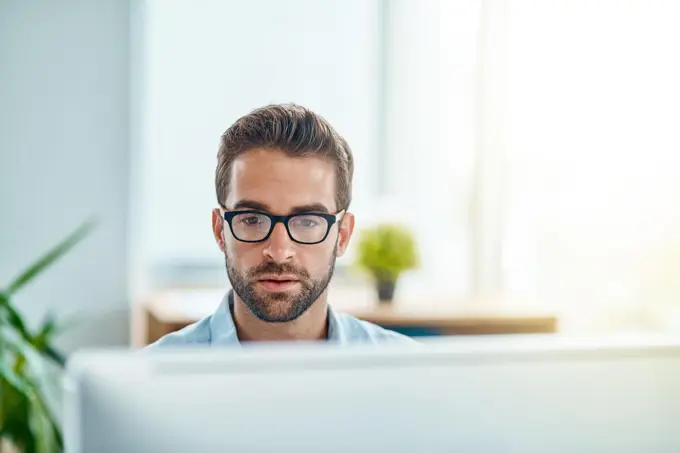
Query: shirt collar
{"points": [[223, 329]]}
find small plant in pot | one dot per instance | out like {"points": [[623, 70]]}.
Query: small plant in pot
{"points": [[385, 252]]}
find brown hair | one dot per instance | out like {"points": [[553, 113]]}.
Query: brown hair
{"points": [[290, 128]]}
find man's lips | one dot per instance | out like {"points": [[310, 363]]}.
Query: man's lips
{"points": [[278, 282], [278, 278]]}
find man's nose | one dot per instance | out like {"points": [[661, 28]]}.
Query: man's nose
{"points": [[279, 247]]}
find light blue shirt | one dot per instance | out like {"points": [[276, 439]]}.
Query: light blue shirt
{"points": [[218, 329]]}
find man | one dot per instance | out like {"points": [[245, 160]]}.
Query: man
{"points": [[283, 184]]}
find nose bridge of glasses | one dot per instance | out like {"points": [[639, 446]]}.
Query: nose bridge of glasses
{"points": [[280, 222], [279, 246]]}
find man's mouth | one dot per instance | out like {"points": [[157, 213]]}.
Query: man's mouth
{"points": [[278, 283]]}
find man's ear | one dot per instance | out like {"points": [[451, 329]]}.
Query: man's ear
{"points": [[346, 228], [218, 228]]}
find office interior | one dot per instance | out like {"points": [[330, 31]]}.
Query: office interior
{"points": [[531, 149]]}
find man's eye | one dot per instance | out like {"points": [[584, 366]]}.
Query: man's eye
{"points": [[308, 223], [251, 220]]}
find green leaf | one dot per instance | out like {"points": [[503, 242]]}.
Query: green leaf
{"points": [[27, 420], [14, 399], [45, 332], [13, 380], [42, 341], [51, 432], [50, 257], [16, 395], [39, 342], [55, 356], [15, 320]]}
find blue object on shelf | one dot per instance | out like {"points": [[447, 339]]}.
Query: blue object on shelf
{"points": [[415, 331]]}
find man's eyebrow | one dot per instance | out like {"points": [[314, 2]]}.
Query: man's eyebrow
{"points": [[313, 207], [250, 204], [258, 206]]}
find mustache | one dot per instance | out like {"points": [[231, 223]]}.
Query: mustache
{"points": [[271, 267]]}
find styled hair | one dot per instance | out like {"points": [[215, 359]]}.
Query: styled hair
{"points": [[292, 129]]}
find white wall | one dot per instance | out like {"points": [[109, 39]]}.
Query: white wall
{"points": [[431, 136], [64, 156]]}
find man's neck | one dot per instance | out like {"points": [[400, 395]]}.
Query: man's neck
{"points": [[311, 325]]}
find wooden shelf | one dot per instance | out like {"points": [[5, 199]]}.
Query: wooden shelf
{"points": [[171, 310]]}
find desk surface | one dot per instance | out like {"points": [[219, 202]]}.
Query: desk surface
{"points": [[185, 306]]}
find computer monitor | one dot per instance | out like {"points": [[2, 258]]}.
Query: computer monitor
{"points": [[491, 395]]}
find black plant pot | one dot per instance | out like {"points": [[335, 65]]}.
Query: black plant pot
{"points": [[386, 291]]}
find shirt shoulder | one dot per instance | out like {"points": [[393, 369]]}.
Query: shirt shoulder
{"points": [[197, 333], [355, 330]]}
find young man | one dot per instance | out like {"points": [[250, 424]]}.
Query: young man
{"points": [[284, 185]]}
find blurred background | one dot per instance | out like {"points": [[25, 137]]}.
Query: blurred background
{"points": [[531, 146]]}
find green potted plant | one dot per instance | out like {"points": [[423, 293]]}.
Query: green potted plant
{"points": [[385, 252], [27, 421]]}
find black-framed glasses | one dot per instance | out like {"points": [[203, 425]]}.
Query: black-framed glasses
{"points": [[303, 228]]}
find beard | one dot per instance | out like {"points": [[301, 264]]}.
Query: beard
{"points": [[276, 307]]}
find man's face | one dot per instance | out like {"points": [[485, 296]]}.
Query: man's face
{"points": [[272, 182]]}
